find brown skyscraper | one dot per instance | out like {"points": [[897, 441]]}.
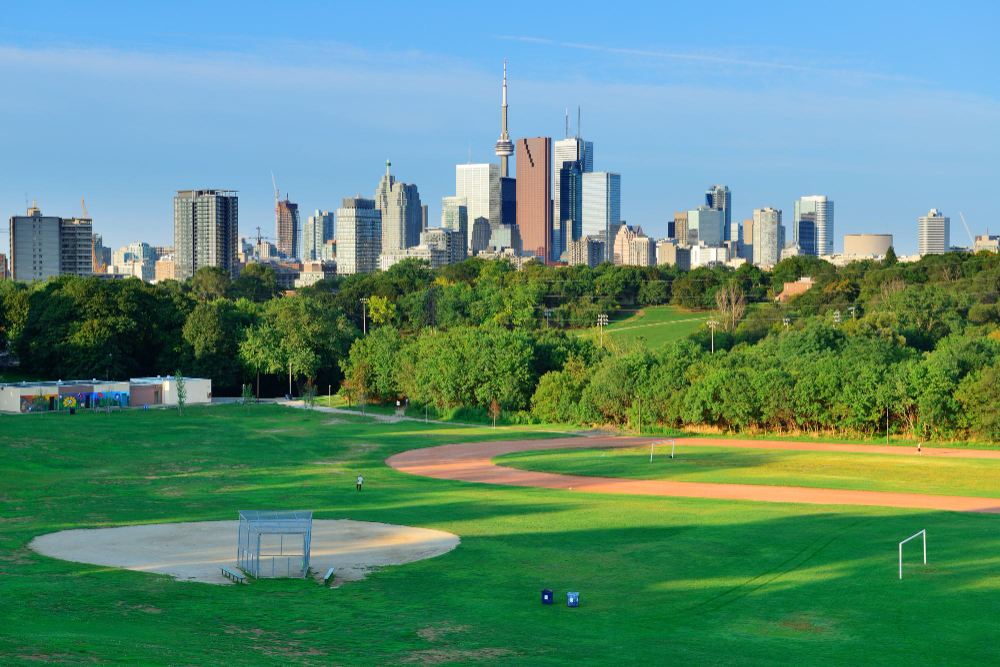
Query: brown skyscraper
{"points": [[287, 220], [534, 194]]}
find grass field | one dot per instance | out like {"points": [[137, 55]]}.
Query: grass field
{"points": [[656, 325], [731, 465], [662, 581]]}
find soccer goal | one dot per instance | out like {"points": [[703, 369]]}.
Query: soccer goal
{"points": [[922, 532], [661, 442]]}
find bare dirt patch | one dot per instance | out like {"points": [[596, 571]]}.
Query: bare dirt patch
{"points": [[432, 633], [196, 550], [441, 656]]}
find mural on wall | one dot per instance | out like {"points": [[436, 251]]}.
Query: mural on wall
{"points": [[97, 399]]}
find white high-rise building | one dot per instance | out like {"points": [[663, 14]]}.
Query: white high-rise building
{"points": [[359, 236], [822, 208], [602, 207], [479, 185], [706, 225], [318, 229], [934, 234], [768, 236]]}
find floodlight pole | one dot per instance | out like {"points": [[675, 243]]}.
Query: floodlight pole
{"points": [[364, 310], [711, 325], [289, 377]]}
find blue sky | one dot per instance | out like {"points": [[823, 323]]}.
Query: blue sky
{"points": [[889, 110]]}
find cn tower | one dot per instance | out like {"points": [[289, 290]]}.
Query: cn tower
{"points": [[505, 147]]}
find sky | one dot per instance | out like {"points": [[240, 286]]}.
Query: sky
{"points": [[890, 108]]}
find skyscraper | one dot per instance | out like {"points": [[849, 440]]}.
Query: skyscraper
{"points": [[602, 194], [747, 247], [719, 198], [42, 247], [823, 210], [504, 147], [455, 216], [768, 236], [479, 184], [934, 234], [479, 236], [807, 234], [402, 217], [568, 204], [318, 229], [680, 225], [706, 225], [534, 195], [286, 217], [508, 202], [359, 236], [206, 231]]}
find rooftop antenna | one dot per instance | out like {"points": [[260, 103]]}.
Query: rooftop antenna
{"points": [[470, 152], [578, 121], [567, 122]]}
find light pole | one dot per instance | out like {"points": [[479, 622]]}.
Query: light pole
{"points": [[836, 317], [548, 313], [289, 379], [364, 305], [602, 321], [711, 325], [786, 321], [853, 316]]}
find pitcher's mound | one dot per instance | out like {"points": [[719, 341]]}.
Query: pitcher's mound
{"points": [[194, 551]]}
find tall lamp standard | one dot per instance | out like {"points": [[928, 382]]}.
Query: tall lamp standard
{"points": [[602, 321], [711, 325], [364, 324]]}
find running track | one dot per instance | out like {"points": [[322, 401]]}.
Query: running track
{"points": [[472, 463]]}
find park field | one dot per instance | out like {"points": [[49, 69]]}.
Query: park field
{"points": [[662, 580], [812, 469], [655, 326]]}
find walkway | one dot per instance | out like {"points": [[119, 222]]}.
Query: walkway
{"points": [[473, 463]]}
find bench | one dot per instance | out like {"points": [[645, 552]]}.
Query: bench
{"points": [[235, 576], [328, 577]]}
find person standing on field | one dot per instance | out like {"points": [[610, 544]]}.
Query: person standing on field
{"points": [[360, 481]]}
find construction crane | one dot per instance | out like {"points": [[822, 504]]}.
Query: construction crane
{"points": [[95, 266], [277, 195], [971, 240]]}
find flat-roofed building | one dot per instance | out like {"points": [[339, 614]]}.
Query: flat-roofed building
{"points": [[359, 236], [934, 234], [206, 231], [867, 245], [534, 195]]}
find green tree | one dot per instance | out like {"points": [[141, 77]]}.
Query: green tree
{"points": [[181, 388], [257, 283], [890, 258]]}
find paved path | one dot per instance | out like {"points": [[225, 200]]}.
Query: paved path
{"points": [[472, 463]]}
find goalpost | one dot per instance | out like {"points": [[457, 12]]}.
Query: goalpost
{"points": [[661, 442], [918, 534]]}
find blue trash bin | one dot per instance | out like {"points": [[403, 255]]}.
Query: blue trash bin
{"points": [[546, 596], [573, 599]]}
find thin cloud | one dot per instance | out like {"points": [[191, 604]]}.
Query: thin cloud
{"points": [[714, 60]]}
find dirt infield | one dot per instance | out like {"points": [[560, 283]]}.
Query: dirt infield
{"points": [[195, 551], [473, 463]]}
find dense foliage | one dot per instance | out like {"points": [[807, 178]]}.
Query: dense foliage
{"points": [[911, 345]]}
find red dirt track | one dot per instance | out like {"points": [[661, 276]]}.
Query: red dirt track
{"points": [[472, 463]]}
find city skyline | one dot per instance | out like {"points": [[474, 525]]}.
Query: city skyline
{"points": [[850, 118]]}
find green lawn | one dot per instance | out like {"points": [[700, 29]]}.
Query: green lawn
{"points": [[662, 580], [656, 325], [733, 465]]}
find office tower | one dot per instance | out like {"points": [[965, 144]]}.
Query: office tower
{"points": [[588, 250], [719, 198], [768, 236], [423, 218], [806, 241], [706, 225], [508, 201], [402, 214], [632, 247], [534, 195], [680, 227], [822, 208], [359, 236], [318, 229], [934, 234], [42, 247], [479, 184], [747, 247], [504, 147], [568, 203], [601, 206], [286, 216], [674, 254], [480, 236], [206, 231], [455, 216], [506, 237]]}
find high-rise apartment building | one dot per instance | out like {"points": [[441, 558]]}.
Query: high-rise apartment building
{"points": [[450, 241], [359, 236], [3, 267], [319, 228], [934, 234], [286, 216], [602, 210], [746, 248], [822, 210], [42, 247], [455, 216], [534, 195], [206, 231], [587, 250], [719, 198], [632, 248], [680, 227], [706, 224], [479, 185], [768, 236], [402, 215]]}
